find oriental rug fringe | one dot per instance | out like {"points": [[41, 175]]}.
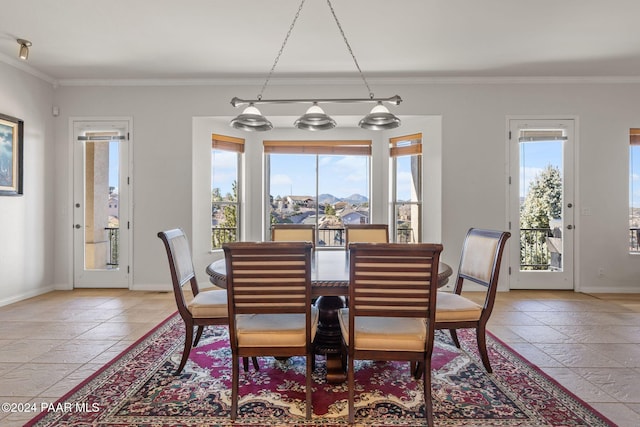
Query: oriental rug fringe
{"points": [[138, 388]]}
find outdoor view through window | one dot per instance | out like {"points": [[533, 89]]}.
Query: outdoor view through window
{"points": [[328, 191]]}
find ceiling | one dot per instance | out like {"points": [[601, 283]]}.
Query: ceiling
{"points": [[97, 40]]}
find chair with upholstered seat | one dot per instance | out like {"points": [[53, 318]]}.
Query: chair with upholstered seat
{"points": [[391, 312], [480, 264], [269, 301], [293, 233], [366, 233], [206, 308]]}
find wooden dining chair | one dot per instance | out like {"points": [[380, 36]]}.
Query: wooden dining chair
{"points": [[391, 312], [206, 307], [269, 301], [293, 233], [480, 263], [366, 233]]}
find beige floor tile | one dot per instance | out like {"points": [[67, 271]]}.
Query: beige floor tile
{"points": [[619, 413], [577, 355], [541, 334], [621, 383], [29, 380], [535, 355], [25, 350], [76, 351], [578, 385]]}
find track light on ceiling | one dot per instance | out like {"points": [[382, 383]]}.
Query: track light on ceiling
{"points": [[315, 118], [24, 48]]}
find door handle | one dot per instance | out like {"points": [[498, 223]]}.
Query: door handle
{"points": [[569, 227], [78, 225]]}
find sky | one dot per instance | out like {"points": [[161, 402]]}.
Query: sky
{"points": [[634, 179], [534, 158], [343, 176], [114, 162]]}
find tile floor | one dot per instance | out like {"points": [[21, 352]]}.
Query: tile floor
{"points": [[589, 343]]}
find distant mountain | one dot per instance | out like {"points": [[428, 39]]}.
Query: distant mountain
{"points": [[354, 199], [323, 199]]}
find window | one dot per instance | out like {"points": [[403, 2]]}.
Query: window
{"points": [[634, 190], [226, 155], [325, 183], [406, 194]]}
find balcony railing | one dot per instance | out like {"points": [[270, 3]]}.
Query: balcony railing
{"points": [[221, 235], [113, 237], [634, 239], [534, 251]]}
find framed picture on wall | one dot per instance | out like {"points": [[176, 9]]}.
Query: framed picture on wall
{"points": [[11, 142]]}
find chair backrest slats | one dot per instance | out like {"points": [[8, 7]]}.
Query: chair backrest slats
{"points": [[393, 280], [268, 276], [366, 233], [293, 233]]}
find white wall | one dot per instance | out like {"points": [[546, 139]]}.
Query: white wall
{"points": [[27, 229], [473, 165]]}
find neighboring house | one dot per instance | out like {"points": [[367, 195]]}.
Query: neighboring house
{"points": [[354, 217], [301, 201], [113, 205]]}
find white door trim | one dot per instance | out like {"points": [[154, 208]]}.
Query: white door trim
{"points": [[73, 120], [576, 190]]}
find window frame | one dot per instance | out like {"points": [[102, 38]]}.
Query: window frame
{"points": [[235, 145], [634, 232], [401, 146], [317, 148]]}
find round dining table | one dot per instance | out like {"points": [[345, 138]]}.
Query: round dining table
{"points": [[329, 287]]}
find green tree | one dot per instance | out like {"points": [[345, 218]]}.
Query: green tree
{"points": [[542, 204], [329, 210], [227, 228]]}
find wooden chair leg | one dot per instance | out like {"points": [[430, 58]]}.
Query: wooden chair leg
{"points": [[310, 363], [428, 403], [482, 347], [235, 372], [351, 386], [255, 363], [454, 337], [198, 335], [188, 339]]}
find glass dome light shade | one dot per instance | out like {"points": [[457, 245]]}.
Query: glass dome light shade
{"points": [[315, 119], [379, 119], [251, 120]]}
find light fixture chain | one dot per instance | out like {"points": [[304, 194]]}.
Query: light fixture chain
{"points": [[284, 43], [344, 37]]}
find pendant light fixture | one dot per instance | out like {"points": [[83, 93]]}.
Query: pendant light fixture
{"points": [[379, 119], [315, 118], [251, 120]]}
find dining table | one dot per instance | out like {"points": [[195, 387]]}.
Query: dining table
{"points": [[329, 287]]}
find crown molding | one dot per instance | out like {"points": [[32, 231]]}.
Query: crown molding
{"points": [[296, 81], [355, 81], [24, 66]]}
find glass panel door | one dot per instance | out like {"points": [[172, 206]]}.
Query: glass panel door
{"points": [[101, 229], [541, 201]]}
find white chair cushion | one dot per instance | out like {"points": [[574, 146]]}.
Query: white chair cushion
{"points": [[209, 304], [455, 308], [274, 330], [385, 333]]}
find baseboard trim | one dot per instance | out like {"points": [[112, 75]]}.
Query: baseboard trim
{"points": [[26, 295]]}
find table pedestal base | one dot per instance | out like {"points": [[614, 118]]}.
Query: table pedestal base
{"points": [[328, 340]]}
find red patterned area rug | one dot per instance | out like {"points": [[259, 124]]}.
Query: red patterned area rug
{"points": [[138, 388]]}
